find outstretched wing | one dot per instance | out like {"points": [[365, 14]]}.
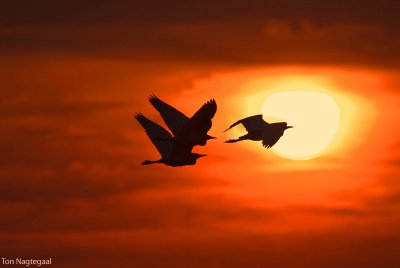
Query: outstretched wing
{"points": [[270, 140], [200, 122], [173, 118], [161, 138], [273, 133], [251, 123]]}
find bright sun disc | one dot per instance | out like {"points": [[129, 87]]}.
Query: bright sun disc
{"points": [[314, 117]]}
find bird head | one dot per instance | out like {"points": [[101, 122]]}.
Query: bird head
{"points": [[286, 126], [197, 156], [282, 126], [210, 137]]}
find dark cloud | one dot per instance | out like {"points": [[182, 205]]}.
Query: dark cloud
{"points": [[235, 42], [339, 248], [48, 169], [260, 32], [152, 209], [128, 12], [57, 107]]}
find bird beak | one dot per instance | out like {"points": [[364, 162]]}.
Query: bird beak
{"points": [[210, 137], [201, 155], [289, 126]]}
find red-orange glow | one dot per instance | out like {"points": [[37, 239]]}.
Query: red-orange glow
{"points": [[257, 174], [71, 174]]}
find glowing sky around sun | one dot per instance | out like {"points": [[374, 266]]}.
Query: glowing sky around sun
{"points": [[314, 115]]}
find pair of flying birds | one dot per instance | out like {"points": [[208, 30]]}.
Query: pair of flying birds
{"points": [[176, 148]]}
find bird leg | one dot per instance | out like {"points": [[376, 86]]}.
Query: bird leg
{"points": [[244, 137], [232, 141], [149, 162]]}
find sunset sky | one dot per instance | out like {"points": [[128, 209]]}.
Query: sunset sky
{"points": [[72, 187]]}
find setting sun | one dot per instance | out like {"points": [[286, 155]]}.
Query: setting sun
{"points": [[314, 115]]}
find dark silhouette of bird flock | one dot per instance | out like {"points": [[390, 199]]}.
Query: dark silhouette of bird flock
{"points": [[176, 147]]}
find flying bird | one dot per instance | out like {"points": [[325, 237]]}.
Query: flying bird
{"points": [[187, 131], [259, 130], [172, 154]]}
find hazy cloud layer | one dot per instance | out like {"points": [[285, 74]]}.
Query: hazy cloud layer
{"points": [[71, 185], [234, 32]]}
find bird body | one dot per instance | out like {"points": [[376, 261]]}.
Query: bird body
{"points": [[259, 130], [172, 154], [187, 131]]}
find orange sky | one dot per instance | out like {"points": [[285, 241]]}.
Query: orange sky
{"points": [[71, 184]]}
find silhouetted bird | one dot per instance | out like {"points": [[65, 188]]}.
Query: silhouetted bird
{"points": [[188, 131], [172, 154], [259, 130]]}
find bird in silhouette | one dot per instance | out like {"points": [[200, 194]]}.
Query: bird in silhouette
{"points": [[172, 154], [259, 130], [187, 131]]}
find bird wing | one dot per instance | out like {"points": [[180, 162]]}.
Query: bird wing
{"points": [[251, 123], [200, 122], [155, 132], [173, 118], [270, 141]]}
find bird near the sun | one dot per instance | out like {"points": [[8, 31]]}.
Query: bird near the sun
{"points": [[187, 131], [172, 153], [259, 130]]}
